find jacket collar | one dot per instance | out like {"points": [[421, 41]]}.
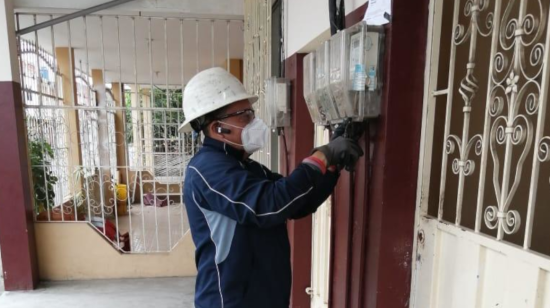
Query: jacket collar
{"points": [[224, 147]]}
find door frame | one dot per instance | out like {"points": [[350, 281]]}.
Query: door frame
{"points": [[424, 167]]}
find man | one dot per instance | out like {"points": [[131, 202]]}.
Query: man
{"points": [[238, 208]]}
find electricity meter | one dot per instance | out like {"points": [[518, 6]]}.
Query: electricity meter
{"points": [[355, 70], [325, 100], [277, 98], [309, 89]]}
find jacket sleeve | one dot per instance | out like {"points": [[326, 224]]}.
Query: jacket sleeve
{"points": [[229, 189], [323, 188]]}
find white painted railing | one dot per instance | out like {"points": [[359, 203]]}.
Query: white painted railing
{"points": [[118, 161]]}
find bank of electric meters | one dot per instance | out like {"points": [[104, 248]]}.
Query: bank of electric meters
{"points": [[342, 78]]}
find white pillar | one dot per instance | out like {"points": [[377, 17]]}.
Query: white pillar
{"points": [[148, 143], [9, 65], [136, 126], [120, 135], [101, 97], [65, 62]]}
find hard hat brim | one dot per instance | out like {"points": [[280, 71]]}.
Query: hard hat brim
{"points": [[186, 126]]}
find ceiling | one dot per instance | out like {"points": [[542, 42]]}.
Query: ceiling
{"points": [[166, 54], [195, 8]]}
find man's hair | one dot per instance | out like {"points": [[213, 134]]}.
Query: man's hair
{"points": [[202, 123]]}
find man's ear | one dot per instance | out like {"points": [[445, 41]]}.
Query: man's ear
{"points": [[211, 128]]}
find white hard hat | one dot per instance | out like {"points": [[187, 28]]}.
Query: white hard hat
{"points": [[211, 90]]}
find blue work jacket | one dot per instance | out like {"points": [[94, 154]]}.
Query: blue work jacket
{"points": [[237, 211]]}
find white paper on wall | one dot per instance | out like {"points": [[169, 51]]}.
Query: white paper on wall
{"points": [[378, 12]]}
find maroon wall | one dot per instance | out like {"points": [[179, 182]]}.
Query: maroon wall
{"points": [[377, 249], [299, 139], [16, 211], [372, 217], [395, 166]]}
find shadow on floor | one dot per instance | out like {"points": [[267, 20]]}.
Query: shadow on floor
{"points": [[132, 293]]}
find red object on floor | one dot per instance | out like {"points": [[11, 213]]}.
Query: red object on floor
{"points": [[111, 233]]}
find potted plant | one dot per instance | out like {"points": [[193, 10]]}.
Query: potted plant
{"points": [[78, 199], [77, 202], [41, 154]]}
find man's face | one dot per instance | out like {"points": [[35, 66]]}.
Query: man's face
{"points": [[238, 114]]}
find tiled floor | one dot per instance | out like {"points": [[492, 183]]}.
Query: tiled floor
{"points": [[135, 293], [154, 228]]}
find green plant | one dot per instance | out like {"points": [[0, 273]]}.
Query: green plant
{"points": [[79, 198], [129, 122], [78, 201], [165, 123], [41, 154]]}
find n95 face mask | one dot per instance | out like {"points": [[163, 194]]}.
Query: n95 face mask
{"points": [[254, 135]]}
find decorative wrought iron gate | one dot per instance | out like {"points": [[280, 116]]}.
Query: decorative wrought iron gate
{"points": [[482, 237]]}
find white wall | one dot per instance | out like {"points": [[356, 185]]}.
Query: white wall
{"points": [[307, 23], [9, 66]]}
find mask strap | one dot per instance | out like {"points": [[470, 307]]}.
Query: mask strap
{"points": [[233, 143], [231, 125]]}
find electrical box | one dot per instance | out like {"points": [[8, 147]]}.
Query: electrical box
{"points": [[323, 94], [277, 98], [355, 63], [309, 89]]}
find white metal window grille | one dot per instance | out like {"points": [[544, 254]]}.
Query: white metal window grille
{"points": [[487, 146], [118, 160]]}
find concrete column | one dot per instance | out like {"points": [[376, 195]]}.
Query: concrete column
{"points": [[136, 124], [65, 61], [103, 134], [120, 137], [19, 262], [103, 130]]}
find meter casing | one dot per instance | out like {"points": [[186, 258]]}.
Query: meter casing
{"points": [[309, 89], [277, 98], [355, 79], [323, 94], [343, 77]]}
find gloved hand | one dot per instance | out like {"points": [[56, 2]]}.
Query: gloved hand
{"points": [[341, 152]]}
